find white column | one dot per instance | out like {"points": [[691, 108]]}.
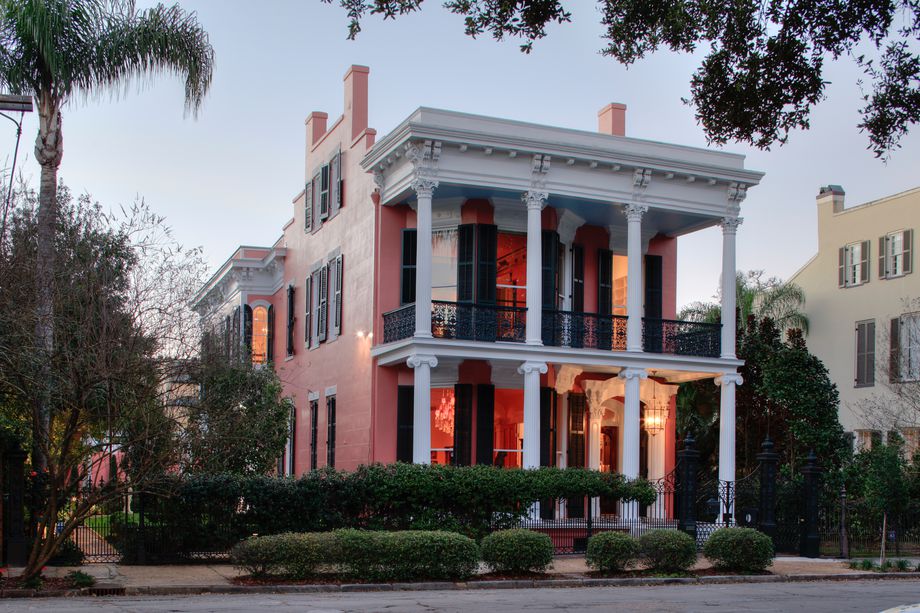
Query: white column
{"points": [[631, 417], [532, 372], [634, 213], [729, 230], [595, 417], [421, 408], [727, 384], [535, 202], [656, 470], [424, 189]]}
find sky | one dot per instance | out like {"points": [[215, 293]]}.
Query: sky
{"points": [[227, 176]]}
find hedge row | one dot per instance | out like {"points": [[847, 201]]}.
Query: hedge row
{"points": [[213, 513], [735, 549]]}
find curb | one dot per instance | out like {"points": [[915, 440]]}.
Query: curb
{"points": [[509, 584]]}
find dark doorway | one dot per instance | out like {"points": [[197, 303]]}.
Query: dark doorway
{"points": [[610, 453]]}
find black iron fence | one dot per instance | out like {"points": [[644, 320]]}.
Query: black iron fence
{"points": [[584, 330], [681, 337], [478, 322]]}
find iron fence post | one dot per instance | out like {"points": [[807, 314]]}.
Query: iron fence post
{"points": [[141, 529], [844, 541], [810, 543], [688, 458], [769, 460]]}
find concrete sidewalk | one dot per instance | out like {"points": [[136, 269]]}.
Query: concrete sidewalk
{"points": [[207, 575]]}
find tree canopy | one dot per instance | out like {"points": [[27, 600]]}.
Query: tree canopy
{"points": [[763, 71]]}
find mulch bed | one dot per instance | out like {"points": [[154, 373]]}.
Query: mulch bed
{"points": [[700, 572], [48, 583]]}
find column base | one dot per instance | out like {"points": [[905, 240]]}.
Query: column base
{"points": [[536, 342], [422, 335]]}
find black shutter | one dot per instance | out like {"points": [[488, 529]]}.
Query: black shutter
{"points": [[317, 186], [882, 257], [485, 423], [550, 258], [604, 282], [330, 431], [486, 255], [337, 309], [463, 424], [322, 310], [653, 290], [270, 341], [576, 455], [336, 182], [547, 426], [235, 334], [308, 309], [407, 278], [578, 278], [466, 243], [324, 192], [894, 351], [290, 320], [908, 247], [405, 399], [247, 329], [314, 428]]}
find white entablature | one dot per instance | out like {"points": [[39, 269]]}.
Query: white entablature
{"points": [[470, 152]]}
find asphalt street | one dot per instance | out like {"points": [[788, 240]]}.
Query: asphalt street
{"points": [[812, 597]]}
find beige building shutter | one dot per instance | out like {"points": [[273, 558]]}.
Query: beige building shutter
{"points": [[908, 250], [882, 256], [841, 266], [894, 354], [864, 262]]}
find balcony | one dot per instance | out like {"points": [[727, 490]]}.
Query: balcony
{"points": [[490, 323]]}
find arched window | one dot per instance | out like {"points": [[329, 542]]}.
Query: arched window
{"points": [[260, 335]]}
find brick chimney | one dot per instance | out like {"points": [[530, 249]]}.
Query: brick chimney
{"points": [[612, 119], [316, 127], [356, 99]]}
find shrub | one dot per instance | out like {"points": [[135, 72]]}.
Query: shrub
{"points": [[406, 555], [517, 551], [902, 565], [68, 554], [612, 551], [668, 550], [79, 579], [867, 565], [258, 555], [739, 549]]}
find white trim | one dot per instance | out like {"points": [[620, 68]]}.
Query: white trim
{"points": [[330, 391]]}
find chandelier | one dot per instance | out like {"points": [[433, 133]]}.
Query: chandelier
{"points": [[656, 413], [444, 414]]}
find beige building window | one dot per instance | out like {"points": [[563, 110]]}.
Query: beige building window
{"points": [[911, 442], [853, 264], [908, 338], [866, 439], [895, 254]]}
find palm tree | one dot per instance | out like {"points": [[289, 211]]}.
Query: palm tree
{"points": [[761, 298], [57, 50]]}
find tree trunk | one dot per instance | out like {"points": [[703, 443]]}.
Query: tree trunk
{"points": [[49, 148]]}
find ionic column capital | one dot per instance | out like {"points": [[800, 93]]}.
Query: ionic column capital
{"points": [[534, 199], [417, 360], [730, 224], [529, 367], [729, 378], [634, 211], [633, 373]]}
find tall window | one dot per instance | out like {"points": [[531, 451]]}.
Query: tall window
{"points": [[895, 251], [511, 270], [853, 264], [865, 353], [908, 340], [330, 431], [443, 265], [290, 320], [314, 418], [260, 335], [292, 442], [619, 284]]}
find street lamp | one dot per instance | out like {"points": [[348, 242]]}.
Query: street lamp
{"points": [[13, 103]]}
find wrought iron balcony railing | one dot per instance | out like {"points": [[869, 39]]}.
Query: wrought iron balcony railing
{"points": [[584, 330], [682, 337], [464, 321], [486, 322]]}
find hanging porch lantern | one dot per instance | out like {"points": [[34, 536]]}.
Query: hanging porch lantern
{"points": [[656, 413]]}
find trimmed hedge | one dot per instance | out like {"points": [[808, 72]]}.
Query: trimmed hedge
{"points": [[517, 551], [212, 513], [668, 550], [612, 552], [360, 554], [406, 555], [739, 549]]}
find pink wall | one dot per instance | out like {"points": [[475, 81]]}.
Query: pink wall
{"points": [[667, 248], [591, 238], [477, 210]]}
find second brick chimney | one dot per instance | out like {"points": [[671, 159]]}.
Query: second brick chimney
{"points": [[612, 119]]}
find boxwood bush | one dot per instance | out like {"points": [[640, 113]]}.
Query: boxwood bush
{"points": [[517, 551], [612, 551], [406, 555], [739, 549], [667, 550]]}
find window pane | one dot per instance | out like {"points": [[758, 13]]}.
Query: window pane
{"points": [[442, 425], [511, 269], [444, 265], [509, 428], [259, 335]]}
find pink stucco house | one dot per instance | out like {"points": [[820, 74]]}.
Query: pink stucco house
{"points": [[469, 289]]}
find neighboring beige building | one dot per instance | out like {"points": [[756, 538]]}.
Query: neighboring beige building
{"points": [[863, 301]]}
